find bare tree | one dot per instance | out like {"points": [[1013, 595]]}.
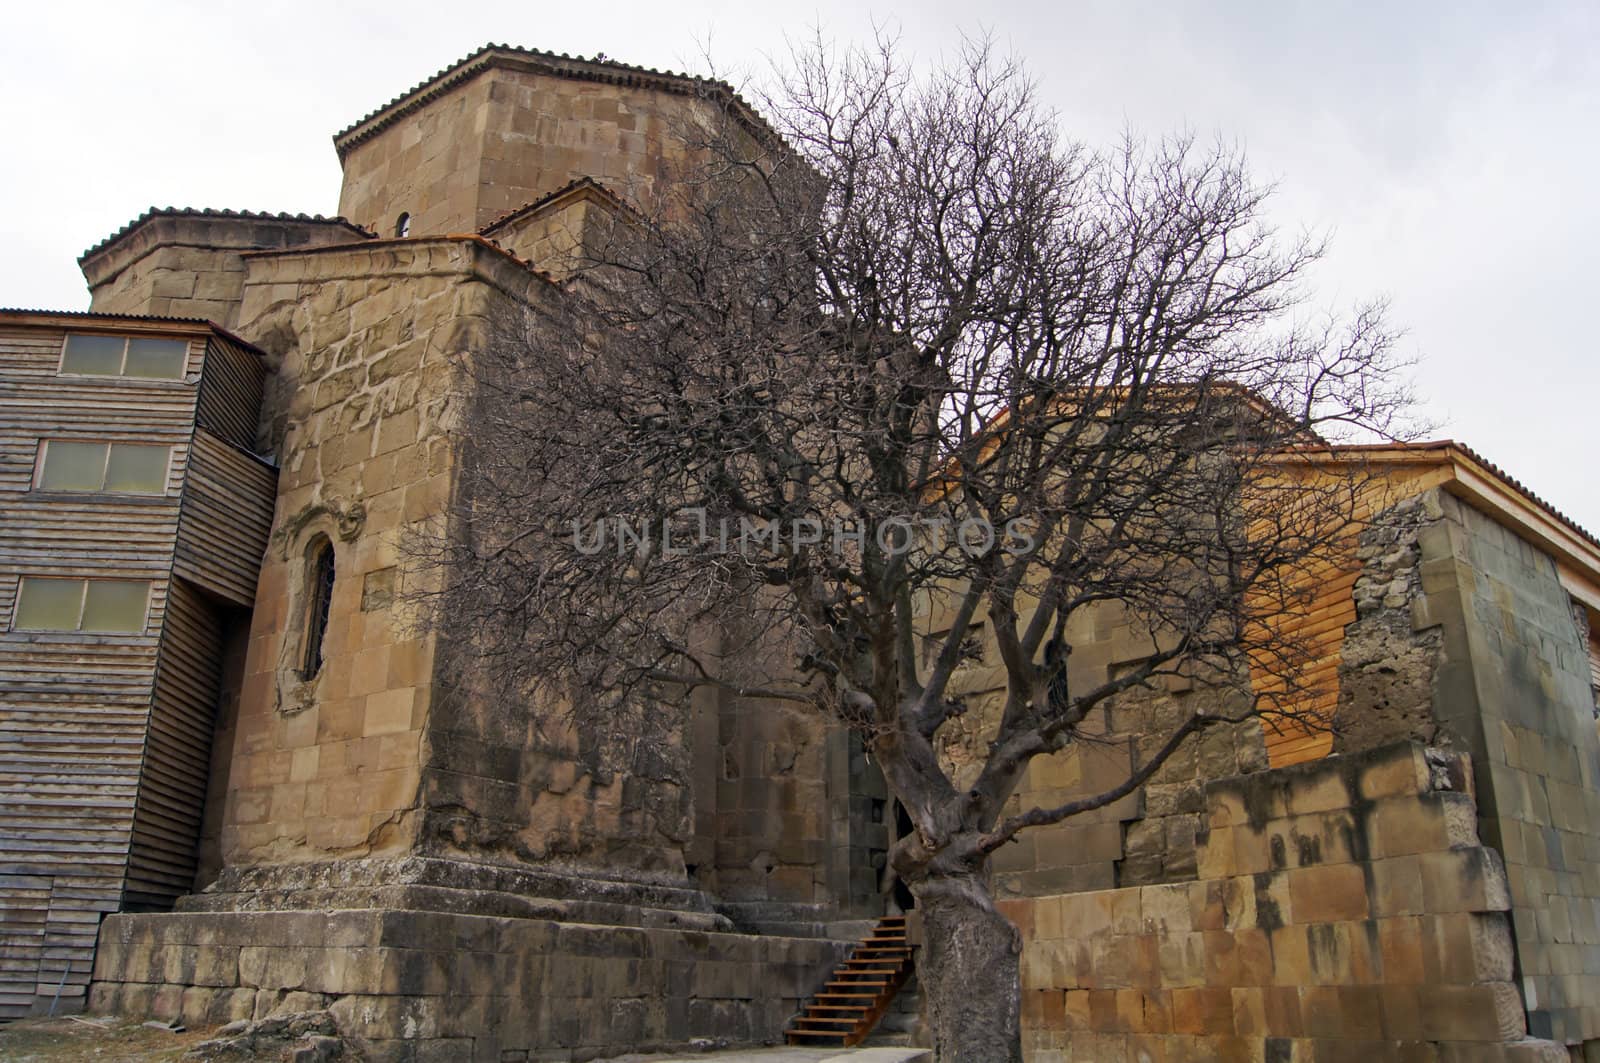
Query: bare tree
{"points": [[907, 360]]}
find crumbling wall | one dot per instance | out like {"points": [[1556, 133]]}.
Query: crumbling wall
{"points": [[1390, 655], [1344, 909]]}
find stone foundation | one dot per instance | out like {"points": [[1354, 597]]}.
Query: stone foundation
{"points": [[429, 985]]}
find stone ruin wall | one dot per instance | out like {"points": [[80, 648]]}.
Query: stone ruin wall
{"points": [[1148, 836], [1466, 638], [1342, 910]]}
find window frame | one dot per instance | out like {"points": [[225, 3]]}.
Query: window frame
{"points": [[122, 367], [83, 598], [318, 610], [42, 453]]}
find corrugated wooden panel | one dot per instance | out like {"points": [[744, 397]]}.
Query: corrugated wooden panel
{"points": [[230, 392], [75, 709], [172, 784], [228, 499]]}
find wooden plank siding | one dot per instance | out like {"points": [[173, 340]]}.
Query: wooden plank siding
{"points": [[230, 392], [228, 500], [100, 734], [172, 781]]}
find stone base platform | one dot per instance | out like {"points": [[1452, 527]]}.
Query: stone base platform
{"points": [[431, 958], [450, 884], [432, 986]]}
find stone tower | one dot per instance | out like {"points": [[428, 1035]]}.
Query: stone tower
{"points": [[384, 817]]}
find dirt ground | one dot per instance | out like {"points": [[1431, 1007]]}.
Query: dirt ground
{"points": [[109, 1040]]}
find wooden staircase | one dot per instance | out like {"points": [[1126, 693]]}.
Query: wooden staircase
{"points": [[858, 992]]}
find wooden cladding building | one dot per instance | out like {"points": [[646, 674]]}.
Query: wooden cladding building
{"points": [[133, 517]]}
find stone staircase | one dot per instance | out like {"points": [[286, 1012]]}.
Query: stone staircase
{"points": [[858, 992]]}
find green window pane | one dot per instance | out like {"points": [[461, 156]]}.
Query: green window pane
{"points": [[73, 466], [156, 359], [115, 605], [137, 469], [48, 605], [100, 355]]}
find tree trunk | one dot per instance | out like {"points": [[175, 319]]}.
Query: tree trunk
{"points": [[968, 972]]}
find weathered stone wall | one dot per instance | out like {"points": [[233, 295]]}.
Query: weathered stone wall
{"points": [[1515, 661], [427, 986], [358, 417], [1388, 661], [504, 139], [1146, 837], [191, 264], [1466, 638], [1344, 910], [772, 830]]}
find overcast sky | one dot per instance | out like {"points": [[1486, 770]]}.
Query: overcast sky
{"points": [[1450, 149]]}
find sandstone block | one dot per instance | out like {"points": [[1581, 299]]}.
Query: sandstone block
{"points": [[1332, 892], [1490, 1012], [1405, 825], [1399, 771], [1203, 1010], [1464, 880]]}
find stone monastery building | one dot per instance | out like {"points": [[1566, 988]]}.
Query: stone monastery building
{"points": [[228, 789]]}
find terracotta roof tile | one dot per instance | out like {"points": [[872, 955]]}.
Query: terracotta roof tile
{"points": [[208, 212]]}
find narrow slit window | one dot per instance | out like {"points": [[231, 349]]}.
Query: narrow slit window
{"points": [[319, 604], [402, 225]]}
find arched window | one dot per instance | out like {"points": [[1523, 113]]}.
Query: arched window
{"points": [[402, 225], [319, 600]]}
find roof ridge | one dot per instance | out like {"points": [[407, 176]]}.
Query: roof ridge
{"points": [[222, 212], [1497, 471], [571, 186]]}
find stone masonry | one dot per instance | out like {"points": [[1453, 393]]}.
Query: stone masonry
{"points": [[1466, 638], [452, 877], [1343, 910]]}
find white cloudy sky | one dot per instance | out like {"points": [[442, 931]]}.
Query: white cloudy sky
{"points": [[1450, 148]]}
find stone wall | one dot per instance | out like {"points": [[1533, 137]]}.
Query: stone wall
{"points": [[1146, 837], [1466, 638], [1516, 674], [506, 138], [359, 419], [191, 263], [429, 987], [1344, 910]]}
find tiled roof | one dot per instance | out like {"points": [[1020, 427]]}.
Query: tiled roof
{"points": [[1442, 445], [192, 323], [566, 189], [22, 310], [600, 68], [207, 212]]}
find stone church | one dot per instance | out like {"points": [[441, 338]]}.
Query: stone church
{"points": [[231, 788]]}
